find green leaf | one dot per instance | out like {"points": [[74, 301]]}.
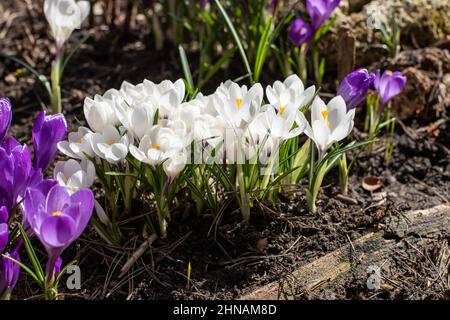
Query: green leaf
{"points": [[186, 70], [120, 174], [39, 272], [263, 46], [236, 39], [27, 270], [301, 160], [42, 78], [63, 271]]}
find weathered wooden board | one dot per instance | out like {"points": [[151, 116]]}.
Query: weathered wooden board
{"points": [[363, 252]]}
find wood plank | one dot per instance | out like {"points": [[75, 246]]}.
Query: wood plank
{"points": [[362, 252]]}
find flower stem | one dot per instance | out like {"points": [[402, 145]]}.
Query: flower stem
{"points": [[343, 174], [55, 98], [316, 63], [303, 67], [244, 198]]}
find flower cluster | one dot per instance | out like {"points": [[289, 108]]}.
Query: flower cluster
{"points": [[50, 211], [147, 134]]}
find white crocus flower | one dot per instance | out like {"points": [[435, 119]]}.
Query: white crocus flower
{"points": [[237, 105], [158, 91], [64, 16], [100, 111], [74, 175], [278, 126], [329, 123], [112, 144], [288, 96], [187, 113], [174, 165], [166, 96], [78, 144], [160, 144], [137, 119]]}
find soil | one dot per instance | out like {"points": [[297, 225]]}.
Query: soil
{"points": [[228, 257]]}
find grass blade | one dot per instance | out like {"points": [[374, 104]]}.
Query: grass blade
{"points": [[186, 70], [236, 39], [32, 254], [262, 49]]}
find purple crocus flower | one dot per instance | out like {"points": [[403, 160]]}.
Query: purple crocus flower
{"points": [[388, 86], [9, 274], [57, 218], [4, 216], [3, 228], [3, 236], [47, 132], [354, 87], [299, 32], [5, 116], [320, 11], [203, 3], [15, 169]]}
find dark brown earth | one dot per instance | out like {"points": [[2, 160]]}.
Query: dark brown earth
{"points": [[227, 256]]}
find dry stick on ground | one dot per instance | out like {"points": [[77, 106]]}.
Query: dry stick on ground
{"points": [[367, 249], [137, 254]]}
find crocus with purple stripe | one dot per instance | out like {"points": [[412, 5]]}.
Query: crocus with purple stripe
{"points": [[15, 169], [5, 117], [47, 132], [320, 11], [9, 274], [299, 32], [354, 87], [57, 218], [3, 228]]}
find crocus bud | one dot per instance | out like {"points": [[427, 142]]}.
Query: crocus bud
{"points": [[300, 32], [47, 132], [354, 87], [3, 215], [56, 267], [5, 117], [173, 166], [15, 168], [64, 16], [3, 236], [9, 274], [389, 85], [100, 111], [320, 11]]}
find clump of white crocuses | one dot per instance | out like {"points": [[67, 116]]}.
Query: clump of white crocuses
{"points": [[235, 145]]}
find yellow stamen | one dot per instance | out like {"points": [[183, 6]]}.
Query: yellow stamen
{"points": [[111, 142], [282, 110], [238, 103], [156, 148], [56, 213], [389, 73], [325, 116]]}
